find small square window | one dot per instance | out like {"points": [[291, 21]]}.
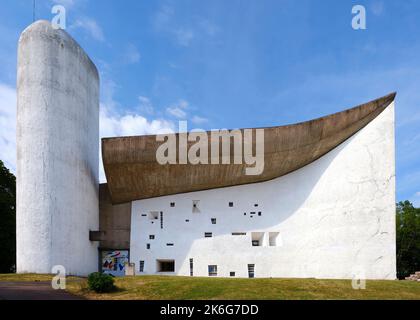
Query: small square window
{"points": [[212, 270], [259, 213], [230, 204], [172, 204], [208, 234], [232, 273], [152, 237], [213, 220]]}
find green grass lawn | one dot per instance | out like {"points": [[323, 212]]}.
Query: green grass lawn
{"points": [[165, 287]]}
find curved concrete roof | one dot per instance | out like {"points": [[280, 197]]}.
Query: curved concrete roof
{"points": [[133, 172]]}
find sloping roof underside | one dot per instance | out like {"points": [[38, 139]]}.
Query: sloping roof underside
{"points": [[133, 172]]}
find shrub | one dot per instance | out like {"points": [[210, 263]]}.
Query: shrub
{"points": [[100, 282]]}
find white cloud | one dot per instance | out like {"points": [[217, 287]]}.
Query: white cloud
{"points": [[184, 36], [145, 105], [8, 126], [417, 194], [181, 31], [198, 120], [66, 3], [90, 26], [377, 8], [178, 110], [115, 123], [132, 54]]}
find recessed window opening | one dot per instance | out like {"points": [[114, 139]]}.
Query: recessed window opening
{"points": [[148, 246], [238, 233], [212, 270], [232, 273], [141, 266], [172, 204], [251, 270], [152, 237], [170, 244], [256, 205], [195, 208], [153, 215], [213, 220], [165, 265], [230, 204], [259, 213], [257, 239], [274, 239], [161, 220], [144, 215], [191, 267], [208, 234], [187, 220]]}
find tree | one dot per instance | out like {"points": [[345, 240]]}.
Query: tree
{"points": [[408, 239], [7, 220]]}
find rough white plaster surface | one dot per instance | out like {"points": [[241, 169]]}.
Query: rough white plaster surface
{"points": [[57, 153], [335, 218]]}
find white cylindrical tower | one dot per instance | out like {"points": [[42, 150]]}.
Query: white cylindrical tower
{"points": [[57, 153]]}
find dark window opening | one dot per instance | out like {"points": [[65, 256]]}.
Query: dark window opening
{"points": [[259, 213], [230, 204], [256, 205], [191, 267], [148, 246], [141, 266], [244, 213], [172, 204], [161, 220], [152, 237], [187, 220], [253, 212], [213, 220], [232, 273], [208, 234], [238, 233], [144, 215], [166, 265], [255, 243], [251, 270], [170, 244], [212, 270]]}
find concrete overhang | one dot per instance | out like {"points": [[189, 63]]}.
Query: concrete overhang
{"points": [[133, 173]]}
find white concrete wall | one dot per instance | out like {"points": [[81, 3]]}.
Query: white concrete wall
{"points": [[335, 216], [57, 153]]}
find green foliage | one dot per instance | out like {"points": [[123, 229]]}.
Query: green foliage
{"points": [[100, 282], [7, 220], [408, 239]]}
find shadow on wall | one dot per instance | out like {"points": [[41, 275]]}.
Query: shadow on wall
{"points": [[278, 200]]}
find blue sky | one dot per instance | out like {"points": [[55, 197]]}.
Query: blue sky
{"points": [[233, 64]]}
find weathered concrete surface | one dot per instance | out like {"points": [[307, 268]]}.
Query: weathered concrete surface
{"points": [[335, 218], [133, 173], [33, 291], [57, 153], [114, 222]]}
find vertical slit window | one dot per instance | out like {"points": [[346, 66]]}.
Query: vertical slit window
{"points": [[191, 267]]}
